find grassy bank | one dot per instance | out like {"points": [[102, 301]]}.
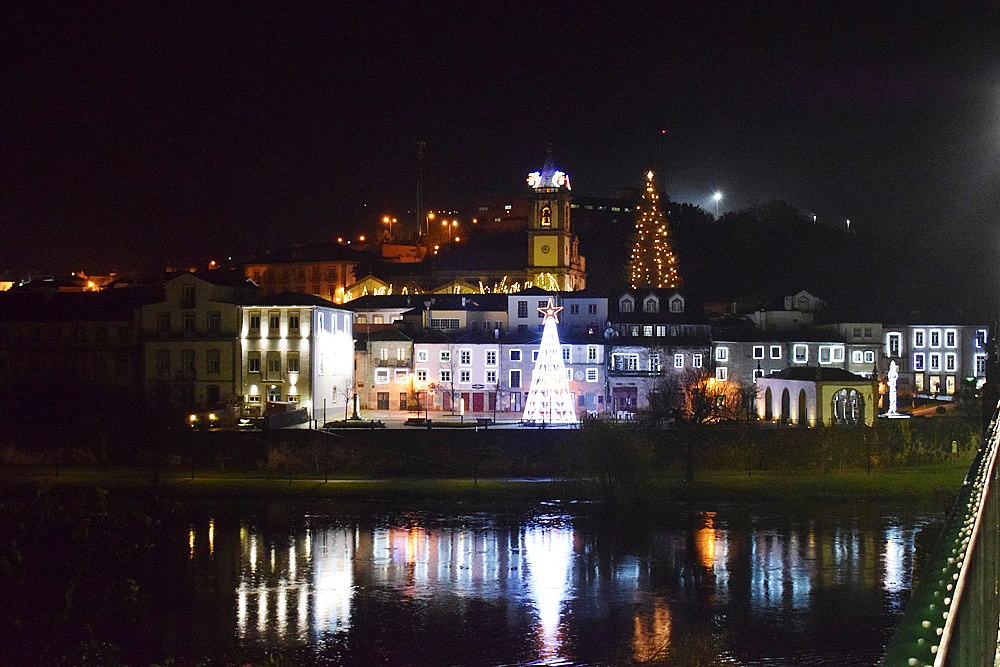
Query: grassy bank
{"points": [[937, 483]]}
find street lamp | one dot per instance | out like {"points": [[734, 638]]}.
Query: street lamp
{"points": [[386, 220], [717, 197]]}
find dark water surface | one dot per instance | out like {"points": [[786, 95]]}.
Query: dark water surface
{"points": [[327, 583]]}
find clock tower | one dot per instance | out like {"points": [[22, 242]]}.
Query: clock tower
{"points": [[554, 261]]}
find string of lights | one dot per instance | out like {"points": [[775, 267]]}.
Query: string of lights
{"points": [[652, 263]]}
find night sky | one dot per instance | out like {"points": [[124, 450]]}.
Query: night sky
{"points": [[135, 135]]}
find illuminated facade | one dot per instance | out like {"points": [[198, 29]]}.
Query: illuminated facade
{"points": [[817, 397], [652, 263], [322, 269], [296, 351]]}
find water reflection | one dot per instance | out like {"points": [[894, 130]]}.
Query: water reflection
{"points": [[560, 588]]}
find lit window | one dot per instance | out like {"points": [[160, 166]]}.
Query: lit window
{"points": [[869, 357], [721, 353], [696, 360], [647, 330], [661, 330], [722, 373], [678, 361], [857, 357], [401, 376], [981, 338], [918, 382], [654, 362], [949, 384], [381, 376], [893, 341]]}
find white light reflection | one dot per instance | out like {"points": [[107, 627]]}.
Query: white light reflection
{"points": [[333, 581], [897, 546], [549, 554]]}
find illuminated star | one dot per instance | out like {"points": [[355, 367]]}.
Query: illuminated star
{"points": [[550, 310]]}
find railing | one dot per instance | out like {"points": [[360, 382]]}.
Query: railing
{"points": [[953, 616]]}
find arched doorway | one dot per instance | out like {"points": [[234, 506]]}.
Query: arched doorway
{"points": [[768, 408], [786, 409], [848, 408], [803, 409]]}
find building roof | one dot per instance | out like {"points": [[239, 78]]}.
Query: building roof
{"points": [[290, 299], [308, 253], [31, 306], [817, 374]]}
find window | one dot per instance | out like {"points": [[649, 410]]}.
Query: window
{"points": [[187, 362], [421, 375], [869, 356], [254, 322], [981, 338], [893, 342], [949, 384], [722, 373], [626, 305], [522, 309], [566, 354], [292, 362], [293, 322], [253, 362], [824, 354], [950, 338], [857, 357], [678, 361], [868, 332], [445, 323], [574, 309], [651, 305], [491, 357], [465, 357], [445, 356], [918, 381], [591, 375], [515, 355], [422, 355], [515, 379], [273, 323], [187, 296], [838, 353], [542, 304], [591, 354], [445, 375], [383, 353], [188, 323], [534, 356], [569, 374], [491, 377], [918, 338], [696, 360], [213, 361], [857, 332], [293, 398], [591, 308], [950, 362], [273, 364], [721, 353], [935, 361], [776, 352], [918, 361], [320, 359], [163, 324], [214, 323], [980, 365], [677, 305], [654, 362], [400, 376], [381, 376], [935, 337], [758, 351], [625, 362], [647, 330], [661, 330], [163, 361], [800, 353], [378, 319], [934, 382]]}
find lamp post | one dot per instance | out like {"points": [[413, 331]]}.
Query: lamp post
{"points": [[717, 197]]}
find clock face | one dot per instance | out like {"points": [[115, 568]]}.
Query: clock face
{"points": [[545, 249]]}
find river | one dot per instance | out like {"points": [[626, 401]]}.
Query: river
{"points": [[332, 583]]}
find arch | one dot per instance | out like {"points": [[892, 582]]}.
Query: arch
{"points": [[848, 408], [786, 411], [768, 407], [803, 419]]}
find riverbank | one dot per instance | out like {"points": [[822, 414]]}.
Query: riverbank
{"points": [[935, 483]]}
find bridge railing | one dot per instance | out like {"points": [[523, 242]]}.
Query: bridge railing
{"points": [[953, 616]]}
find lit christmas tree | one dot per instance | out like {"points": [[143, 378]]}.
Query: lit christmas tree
{"points": [[549, 399], [653, 263]]}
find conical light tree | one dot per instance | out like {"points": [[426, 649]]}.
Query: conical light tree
{"points": [[652, 263], [549, 399]]}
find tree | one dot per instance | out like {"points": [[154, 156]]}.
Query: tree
{"points": [[652, 263], [694, 396]]}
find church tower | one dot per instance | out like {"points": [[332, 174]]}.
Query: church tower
{"points": [[554, 260]]}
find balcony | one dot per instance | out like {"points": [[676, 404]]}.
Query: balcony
{"points": [[621, 372], [392, 363]]}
